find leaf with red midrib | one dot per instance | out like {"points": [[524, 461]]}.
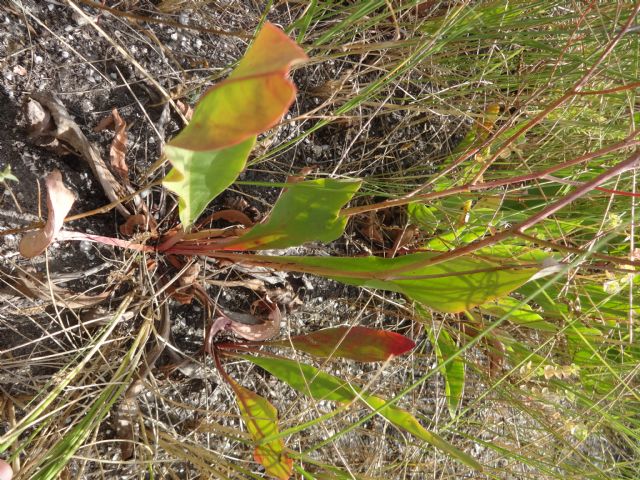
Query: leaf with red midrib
{"points": [[356, 343], [261, 419]]}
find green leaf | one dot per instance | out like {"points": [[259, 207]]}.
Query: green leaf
{"points": [[305, 211], [423, 216], [451, 286], [356, 343], [199, 177], [453, 372], [7, 175], [518, 313], [261, 419], [310, 381]]}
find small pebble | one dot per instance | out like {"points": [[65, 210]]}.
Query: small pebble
{"points": [[86, 105], [174, 36], [20, 70], [80, 19], [37, 59], [64, 54]]}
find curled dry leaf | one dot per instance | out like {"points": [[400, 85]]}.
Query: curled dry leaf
{"points": [[118, 150], [51, 126], [190, 275], [31, 286], [371, 228], [495, 350], [229, 215], [59, 201], [137, 224], [185, 109], [254, 328], [301, 175]]}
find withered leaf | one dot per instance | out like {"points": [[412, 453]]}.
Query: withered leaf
{"points": [[51, 125], [118, 150], [59, 201], [138, 223], [254, 328]]}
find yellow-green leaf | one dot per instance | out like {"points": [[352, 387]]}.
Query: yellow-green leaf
{"points": [[261, 419], [305, 211], [451, 286], [210, 152]]}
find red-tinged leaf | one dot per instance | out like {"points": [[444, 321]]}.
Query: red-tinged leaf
{"points": [[356, 343], [59, 201], [253, 99], [261, 419]]}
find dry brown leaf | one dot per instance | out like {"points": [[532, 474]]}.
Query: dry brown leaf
{"points": [[300, 176], [404, 238], [106, 122], [251, 327], [495, 352], [371, 228], [190, 275], [59, 201], [51, 126], [31, 286], [230, 215], [20, 70], [137, 224], [118, 150], [38, 120], [185, 109], [494, 347]]}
